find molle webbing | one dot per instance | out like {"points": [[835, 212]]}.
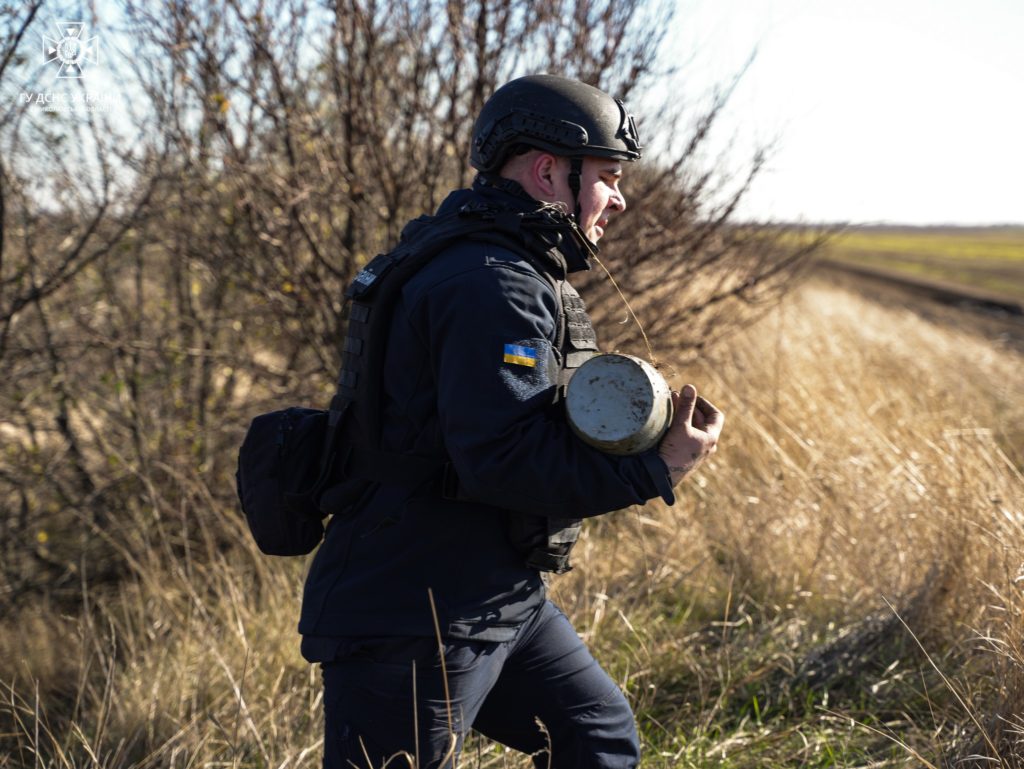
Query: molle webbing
{"points": [[580, 344]]}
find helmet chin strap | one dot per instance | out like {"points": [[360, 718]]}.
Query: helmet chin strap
{"points": [[575, 173]]}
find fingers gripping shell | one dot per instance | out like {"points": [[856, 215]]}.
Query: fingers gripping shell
{"points": [[619, 404]]}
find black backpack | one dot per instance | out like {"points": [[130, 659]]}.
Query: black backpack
{"points": [[290, 457]]}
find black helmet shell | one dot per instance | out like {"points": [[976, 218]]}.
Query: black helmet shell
{"points": [[558, 114]]}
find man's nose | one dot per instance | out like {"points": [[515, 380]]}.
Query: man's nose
{"points": [[618, 201]]}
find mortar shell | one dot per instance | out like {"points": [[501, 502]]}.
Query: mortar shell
{"points": [[619, 404]]}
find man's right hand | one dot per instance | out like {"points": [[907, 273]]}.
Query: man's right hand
{"points": [[693, 434]]}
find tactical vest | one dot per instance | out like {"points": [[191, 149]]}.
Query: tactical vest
{"points": [[354, 425], [548, 541]]}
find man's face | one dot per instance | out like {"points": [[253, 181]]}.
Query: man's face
{"points": [[599, 193]]}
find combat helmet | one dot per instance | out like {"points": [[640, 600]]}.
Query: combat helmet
{"points": [[563, 116], [558, 114]]}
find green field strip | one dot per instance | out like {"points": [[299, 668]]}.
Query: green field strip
{"points": [[964, 246]]}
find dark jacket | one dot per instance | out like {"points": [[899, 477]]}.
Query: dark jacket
{"points": [[450, 391]]}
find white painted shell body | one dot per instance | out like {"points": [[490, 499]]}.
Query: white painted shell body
{"points": [[619, 404]]}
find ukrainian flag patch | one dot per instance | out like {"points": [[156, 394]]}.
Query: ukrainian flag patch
{"points": [[521, 356]]}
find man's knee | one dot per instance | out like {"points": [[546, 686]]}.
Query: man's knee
{"points": [[603, 737]]}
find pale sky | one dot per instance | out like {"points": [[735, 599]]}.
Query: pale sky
{"points": [[906, 111]]}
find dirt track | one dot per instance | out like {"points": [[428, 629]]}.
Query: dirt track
{"points": [[999, 319]]}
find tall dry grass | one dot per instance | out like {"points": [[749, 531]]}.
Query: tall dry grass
{"points": [[870, 458]]}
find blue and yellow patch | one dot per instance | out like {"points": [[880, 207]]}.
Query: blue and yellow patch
{"points": [[521, 356]]}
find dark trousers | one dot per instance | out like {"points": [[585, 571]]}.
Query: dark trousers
{"points": [[540, 692]]}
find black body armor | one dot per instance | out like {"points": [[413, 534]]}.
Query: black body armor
{"points": [[354, 427]]}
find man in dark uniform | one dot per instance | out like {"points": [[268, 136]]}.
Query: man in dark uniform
{"points": [[481, 341]]}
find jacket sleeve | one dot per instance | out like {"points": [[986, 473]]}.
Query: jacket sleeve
{"points": [[490, 333]]}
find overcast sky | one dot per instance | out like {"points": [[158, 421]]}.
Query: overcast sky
{"points": [[884, 110]]}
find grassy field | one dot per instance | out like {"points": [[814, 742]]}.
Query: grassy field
{"points": [[840, 587], [989, 259]]}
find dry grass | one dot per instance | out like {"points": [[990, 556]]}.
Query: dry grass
{"points": [[869, 456]]}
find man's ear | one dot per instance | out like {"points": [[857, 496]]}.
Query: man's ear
{"points": [[542, 173]]}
